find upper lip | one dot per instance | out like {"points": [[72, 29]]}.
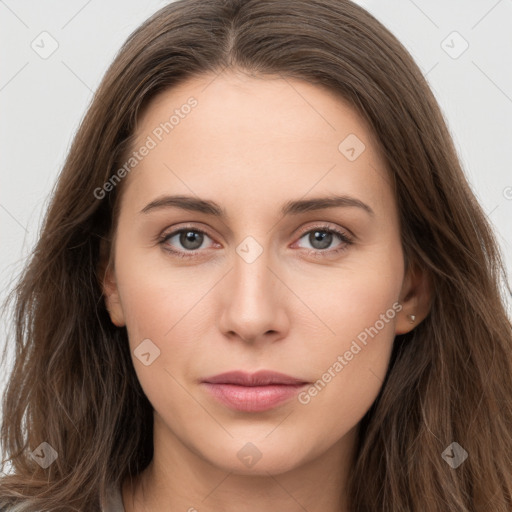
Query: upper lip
{"points": [[260, 378]]}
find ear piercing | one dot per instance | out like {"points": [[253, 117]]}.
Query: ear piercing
{"points": [[412, 318]]}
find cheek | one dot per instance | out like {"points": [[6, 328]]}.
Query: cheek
{"points": [[350, 364], [165, 312], [349, 299], [156, 323], [148, 309], [154, 295], [348, 376]]}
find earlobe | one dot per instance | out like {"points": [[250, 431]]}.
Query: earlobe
{"points": [[415, 298], [115, 309], [111, 295]]}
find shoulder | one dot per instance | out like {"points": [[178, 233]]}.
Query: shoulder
{"points": [[19, 507], [113, 503]]}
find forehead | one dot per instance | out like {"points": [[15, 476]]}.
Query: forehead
{"points": [[258, 135], [262, 106]]}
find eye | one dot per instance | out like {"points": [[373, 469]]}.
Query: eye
{"points": [[321, 238], [190, 240]]}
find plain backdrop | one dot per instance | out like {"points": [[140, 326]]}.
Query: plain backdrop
{"points": [[463, 47]]}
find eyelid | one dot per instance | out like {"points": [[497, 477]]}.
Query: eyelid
{"points": [[319, 225], [166, 235], [345, 235], [327, 226]]}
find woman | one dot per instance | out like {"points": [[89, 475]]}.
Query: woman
{"points": [[180, 348]]}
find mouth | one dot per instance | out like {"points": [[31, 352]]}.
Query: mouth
{"points": [[256, 392]]}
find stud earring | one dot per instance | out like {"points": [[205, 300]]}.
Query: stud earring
{"points": [[412, 318]]}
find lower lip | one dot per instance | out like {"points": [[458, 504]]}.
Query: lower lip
{"points": [[252, 398]]}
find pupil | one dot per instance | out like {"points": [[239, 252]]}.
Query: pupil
{"points": [[190, 239], [323, 237]]}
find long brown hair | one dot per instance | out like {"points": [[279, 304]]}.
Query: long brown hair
{"points": [[449, 380]]}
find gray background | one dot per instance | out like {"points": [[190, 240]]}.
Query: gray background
{"points": [[43, 99]]}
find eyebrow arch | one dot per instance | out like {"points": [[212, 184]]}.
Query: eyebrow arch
{"points": [[289, 208]]}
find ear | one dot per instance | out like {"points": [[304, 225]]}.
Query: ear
{"points": [[415, 298], [109, 286]]}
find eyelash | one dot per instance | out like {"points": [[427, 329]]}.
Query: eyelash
{"points": [[317, 253]]}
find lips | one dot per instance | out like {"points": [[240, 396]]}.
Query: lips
{"points": [[261, 378], [254, 392]]}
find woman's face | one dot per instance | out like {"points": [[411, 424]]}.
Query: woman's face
{"points": [[263, 276]]}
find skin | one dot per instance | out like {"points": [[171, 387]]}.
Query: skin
{"points": [[252, 144]]}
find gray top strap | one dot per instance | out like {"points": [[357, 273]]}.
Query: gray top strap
{"points": [[114, 501]]}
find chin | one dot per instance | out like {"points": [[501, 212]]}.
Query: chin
{"points": [[259, 457]]}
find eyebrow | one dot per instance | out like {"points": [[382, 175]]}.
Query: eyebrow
{"points": [[209, 207]]}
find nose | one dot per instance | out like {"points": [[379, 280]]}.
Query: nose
{"points": [[254, 300]]}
